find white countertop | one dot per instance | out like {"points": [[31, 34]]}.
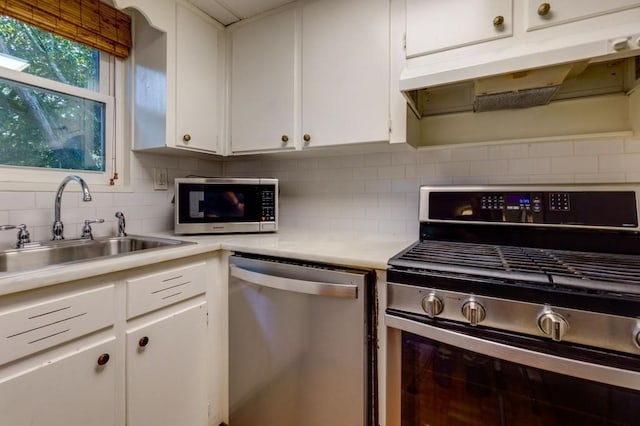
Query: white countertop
{"points": [[342, 249]]}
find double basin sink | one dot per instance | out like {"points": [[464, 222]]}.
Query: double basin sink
{"points": [[67, 251]]}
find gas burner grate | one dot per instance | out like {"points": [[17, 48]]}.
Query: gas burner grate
{"points": [[571, 268]]}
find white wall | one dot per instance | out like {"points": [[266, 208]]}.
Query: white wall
{"points": [[145, 210], [377, 192], [371, 193]]}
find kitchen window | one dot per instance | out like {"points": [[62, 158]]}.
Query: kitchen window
{"points": [[57, 108]]}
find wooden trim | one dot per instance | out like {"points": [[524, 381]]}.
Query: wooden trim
{"points": [[89, 22]]}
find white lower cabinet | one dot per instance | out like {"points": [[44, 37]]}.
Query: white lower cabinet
{"points": [[130, 348], [166, 377], [74, 388]]}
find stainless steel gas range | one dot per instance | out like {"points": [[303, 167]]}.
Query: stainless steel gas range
{"points": [[519, 305]]}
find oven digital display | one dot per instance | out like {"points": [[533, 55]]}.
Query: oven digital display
{"points": [[518, 201]]}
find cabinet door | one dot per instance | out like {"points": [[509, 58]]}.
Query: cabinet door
{"points": [[65, 390], [196, 82], [345, 72], [435, 25], [166, 370], [262, 83], [563, 11]]}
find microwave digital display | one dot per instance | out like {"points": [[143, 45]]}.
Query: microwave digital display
{"points": [[212, 205]]}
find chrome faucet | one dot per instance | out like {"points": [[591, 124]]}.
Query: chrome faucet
{"points": [[23, 235], [121, 225], [58, 228]]}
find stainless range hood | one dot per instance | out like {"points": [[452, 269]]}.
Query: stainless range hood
{"points": [[596, 68]]}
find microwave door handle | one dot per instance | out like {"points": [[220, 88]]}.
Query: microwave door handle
{"points": [[315, 288]]}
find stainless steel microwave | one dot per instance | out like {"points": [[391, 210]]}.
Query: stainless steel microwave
{"points": [[225, 205]]}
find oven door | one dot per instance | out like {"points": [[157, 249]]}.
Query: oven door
{"points": [[448, 377]]}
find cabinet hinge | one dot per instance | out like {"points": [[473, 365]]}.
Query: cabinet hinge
{"points": [[207, 318], [404, 41]]}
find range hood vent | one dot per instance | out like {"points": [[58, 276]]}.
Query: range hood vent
{"points": [[527, 88], [521, 75]]}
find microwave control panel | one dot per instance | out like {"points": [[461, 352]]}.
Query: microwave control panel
{"points": [[268, 205]]}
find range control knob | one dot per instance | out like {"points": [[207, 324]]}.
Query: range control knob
{"points": [[432, 305], [474, 312], [636, 338], [553, 325]]}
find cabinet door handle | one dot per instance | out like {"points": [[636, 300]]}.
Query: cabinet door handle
{"points": [[103, 359], [285, 138], [186, 138], [307, 138], [544, 9], [498, 21], [144, 341]]}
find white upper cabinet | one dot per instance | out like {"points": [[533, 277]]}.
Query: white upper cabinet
{"points": [[542, 14], [197, 97], [262, 84], [436, 25], [345, 72], [311, 75], [177, 80]]}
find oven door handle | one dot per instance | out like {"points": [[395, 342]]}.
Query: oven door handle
{"points": [[315, 288], [571, 367]]}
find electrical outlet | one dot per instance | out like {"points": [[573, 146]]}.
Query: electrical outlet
{"points": [[160, 179]]}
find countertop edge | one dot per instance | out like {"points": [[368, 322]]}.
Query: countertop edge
{"points": [[340, 250]]}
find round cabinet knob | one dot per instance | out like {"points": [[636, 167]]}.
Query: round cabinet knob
{"points": [[103, 359], [474, 312], [498, 21], [544, 9], [144, 341], [553, 325], [636, 338], [307, 138], [186, 138], [285, 138], [432, 305]]}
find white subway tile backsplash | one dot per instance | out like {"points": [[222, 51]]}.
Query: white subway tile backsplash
{"points": [[434, 155], [551, 149], [391, 172], [619, 163], [453, 169], [574, 165], [529, 166], [472, 153], [509, 151], [372, 193], [613, 146], [488, 167], [378, 159]]}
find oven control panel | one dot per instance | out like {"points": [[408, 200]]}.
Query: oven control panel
{"points": [[582, 208]]}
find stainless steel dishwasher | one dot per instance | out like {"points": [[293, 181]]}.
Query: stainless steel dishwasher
{"points": [[302, 344]]}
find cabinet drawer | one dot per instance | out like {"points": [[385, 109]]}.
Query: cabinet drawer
{"points": [[153, 291], [39, 326], [565, 11]]}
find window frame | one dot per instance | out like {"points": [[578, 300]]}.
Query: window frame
{"points": [[112, 95]]}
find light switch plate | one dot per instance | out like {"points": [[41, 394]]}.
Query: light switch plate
{"points": [[160, 179]]}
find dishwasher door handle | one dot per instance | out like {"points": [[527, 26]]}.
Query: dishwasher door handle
{"points": [[345, 291]]}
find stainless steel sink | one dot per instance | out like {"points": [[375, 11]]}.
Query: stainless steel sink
{"points": [[61, 252]]}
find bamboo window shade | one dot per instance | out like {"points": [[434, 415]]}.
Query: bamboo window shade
{"points": [[89, 22]]}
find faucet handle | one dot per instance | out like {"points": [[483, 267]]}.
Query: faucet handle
{"points": [[121, 225], [23, 235], [87, 233]]}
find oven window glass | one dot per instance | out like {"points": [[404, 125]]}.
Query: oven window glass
{"points": [[444, 386]]}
